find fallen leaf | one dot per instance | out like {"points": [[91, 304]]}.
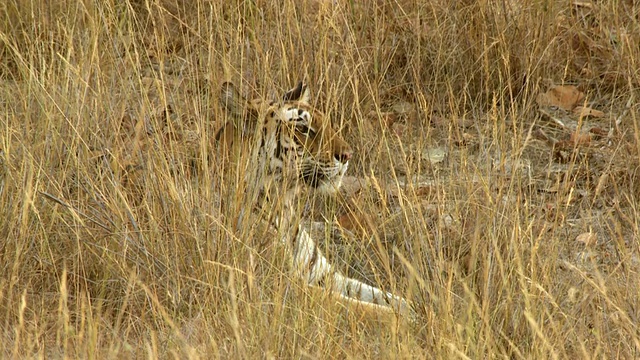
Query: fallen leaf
{"points": [[417, 187], [587, 72], [399, 129], [585, 111], [434, 155], [588, 239], [382, 119], [388, 118], [585, 4], [565, 97], [350, 222], [439, 120], [573, 294], [587, 256], [539, 134], [402, 107], [352, 185], [602, 182], [599, 131], [580, 139], [465, 140]]}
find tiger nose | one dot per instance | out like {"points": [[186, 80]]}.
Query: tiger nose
{"points": [[343, 156]]}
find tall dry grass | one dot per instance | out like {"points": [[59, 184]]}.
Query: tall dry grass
{"points": [[118, 247]]}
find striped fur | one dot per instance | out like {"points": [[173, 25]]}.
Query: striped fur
{"points": [[296, 149]]}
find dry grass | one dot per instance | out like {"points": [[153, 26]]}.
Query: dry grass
{"points": [[117, 247]]}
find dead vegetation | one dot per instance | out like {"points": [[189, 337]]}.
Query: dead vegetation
{"points": [[494, 183]]}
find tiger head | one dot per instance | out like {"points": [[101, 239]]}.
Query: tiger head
{"points": [[296, 140]]}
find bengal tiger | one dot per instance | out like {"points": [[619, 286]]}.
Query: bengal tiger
{"points": [[294, 150]]}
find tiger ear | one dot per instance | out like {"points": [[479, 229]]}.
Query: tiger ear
{"points": [[299, 93], [232, 100], [243, 116]]}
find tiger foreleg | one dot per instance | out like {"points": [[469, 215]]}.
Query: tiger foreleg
{"points": [[315, 269]]}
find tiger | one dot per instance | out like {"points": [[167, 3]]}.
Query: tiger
{"points": [[295, 151]]}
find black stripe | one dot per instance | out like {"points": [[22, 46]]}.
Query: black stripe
{"points": [[322, 281], [222, 131], [294, 240], [278, 150], [314, 258], [278, 144], [374, 299], [348, 289]]}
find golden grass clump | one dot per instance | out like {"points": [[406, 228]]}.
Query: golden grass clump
{"points": [[511, 225]]}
